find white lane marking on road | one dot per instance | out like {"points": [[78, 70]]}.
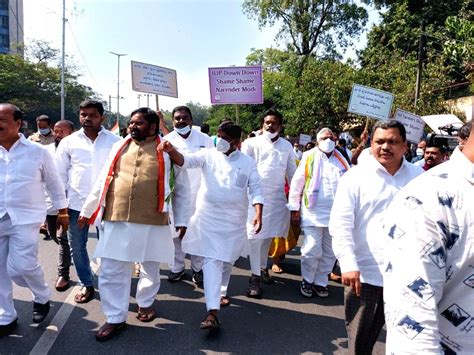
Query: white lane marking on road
{"points": [[51, 333]]}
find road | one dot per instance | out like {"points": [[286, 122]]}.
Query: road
{"points": [[283, 321]]}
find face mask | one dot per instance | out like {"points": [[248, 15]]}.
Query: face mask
{"points": [[419, 152], [222, 145], [44, 131], [270, 135], [326, 145], [183, 131]]}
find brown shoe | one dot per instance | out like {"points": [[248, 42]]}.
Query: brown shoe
{"points": [[62, 283], [109, 331]]}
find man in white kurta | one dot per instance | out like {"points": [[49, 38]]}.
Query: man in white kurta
{"points": [[135, 190], [429, 267], [187, 140], [24, 168], [356, 225], [217, 228], [275, 161], [312, 192]]}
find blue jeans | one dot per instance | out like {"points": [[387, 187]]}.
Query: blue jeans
{"points": [[78, 242]]}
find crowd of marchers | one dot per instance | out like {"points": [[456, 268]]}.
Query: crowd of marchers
{"points": [[400, 231]]}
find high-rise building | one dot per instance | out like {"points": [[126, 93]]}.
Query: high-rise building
{"points": [[11, 26]]}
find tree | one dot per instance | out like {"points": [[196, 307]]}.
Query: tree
{"points": [[35, 89], [446, 26], [200, 112], [314, 27]]}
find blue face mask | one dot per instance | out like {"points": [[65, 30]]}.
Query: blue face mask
{"points": [[44, 131]]}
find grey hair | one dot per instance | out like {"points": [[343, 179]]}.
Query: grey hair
{"points": [[320, 133]]}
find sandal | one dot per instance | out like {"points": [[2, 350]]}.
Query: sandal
{"points": [[210, 322], [277, 269], [225, 301], [146, 314], [109, 331], [85, 295]]}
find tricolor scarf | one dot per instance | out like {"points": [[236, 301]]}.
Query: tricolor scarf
{"points": [[160, 181], [312, 173]]}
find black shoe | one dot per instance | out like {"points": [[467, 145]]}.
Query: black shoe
{"points": [[266, 278], [198, 278], [40, 311], [176, 276], [6, 329], [254, 290]]}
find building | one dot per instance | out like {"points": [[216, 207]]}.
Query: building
{"points": [[11, 27]]}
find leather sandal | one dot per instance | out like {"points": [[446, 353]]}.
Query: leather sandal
{"points": [[225, 301], [210, 322], [146, 314], [109, 331], [85, 295]]}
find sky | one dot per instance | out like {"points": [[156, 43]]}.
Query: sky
{"points": [[186, 35]]}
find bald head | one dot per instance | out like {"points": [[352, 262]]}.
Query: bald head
{"points": [[62, 129], [14, 110]]}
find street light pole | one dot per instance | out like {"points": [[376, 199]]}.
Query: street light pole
{"points": [[63, 94], [118, 84]]}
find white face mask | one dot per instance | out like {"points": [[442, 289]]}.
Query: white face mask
{"points": [[44, 131], [222, 145], [269, 134], [183, 131], [420, 152], [326, 145]]}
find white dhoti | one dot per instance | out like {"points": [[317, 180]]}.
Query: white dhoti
{"points": [[317, 257], [216, 281], [179, 256], [19, 263], [258, 254], [122, 244]]}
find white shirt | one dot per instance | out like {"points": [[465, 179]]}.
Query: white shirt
{"points": [[429, 273], [298, 154], [357, 217], [79, 161], [330, 175], [192, 144], [23, 170], [217, 228], [275, 163], [51, 211]]}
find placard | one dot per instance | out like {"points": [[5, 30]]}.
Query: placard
{"points": [[236, 85], [437, 121], [304, 139], [413, 124], [153, 79], [370, 102]]}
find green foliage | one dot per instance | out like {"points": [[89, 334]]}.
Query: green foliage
{"points": [[200, 112], [449, 32], [313, 27], [35, 88]]}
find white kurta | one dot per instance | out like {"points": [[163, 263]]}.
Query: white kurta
{"points": [[217, 229], [275, 162], [195, 142], [135, 242]]}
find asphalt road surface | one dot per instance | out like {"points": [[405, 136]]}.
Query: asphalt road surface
{"points": [[283, 321]]}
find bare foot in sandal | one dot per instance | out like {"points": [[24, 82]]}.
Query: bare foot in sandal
{"points": [[225, 301], [211, 321], [146, 314], [85, 295]]}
